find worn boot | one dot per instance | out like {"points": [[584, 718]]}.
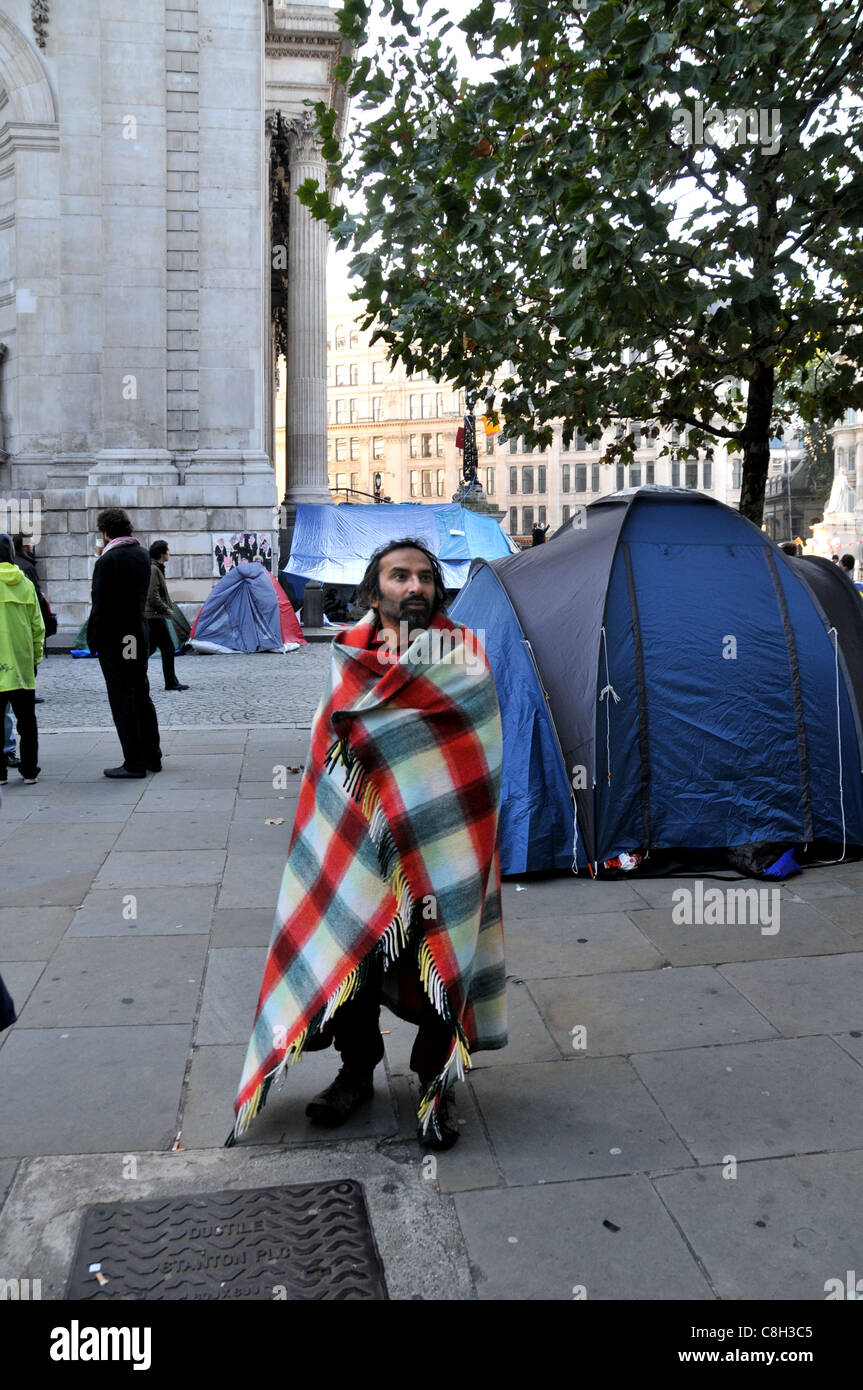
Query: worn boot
{"points": [[339, 1101], [442, 1130]]}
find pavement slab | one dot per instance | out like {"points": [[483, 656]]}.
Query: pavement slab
{"points": [[586, 943], [102, 982], [802, 932], [238, 926], [32, 935], [231, 990], [152, 831], [252, 880], [595, 1240], [131, 869], [557, 1120], [823, 995], [780, 1229], [20, 978], [64, 1092], [548, 897], [144, 912], [758, 1099], [647, 1009]]}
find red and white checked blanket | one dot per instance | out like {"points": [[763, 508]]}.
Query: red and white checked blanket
{"points": [[394, 851]]}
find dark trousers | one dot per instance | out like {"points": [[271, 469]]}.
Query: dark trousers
{"points": [[132, 709], [23, 704], [160, 637], [357, 1033]]}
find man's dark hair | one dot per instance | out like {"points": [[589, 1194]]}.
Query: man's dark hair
{"points": [[7, 550], [19, 542], [368, 592], [847, 563], [835, 559], [114, 522], [789, 547], [157, 549]]}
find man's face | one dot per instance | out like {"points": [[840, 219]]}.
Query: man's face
{"points": [[165, 556], [406, 589]]}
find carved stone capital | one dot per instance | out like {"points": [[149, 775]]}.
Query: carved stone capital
{"points": [[302, 139]]}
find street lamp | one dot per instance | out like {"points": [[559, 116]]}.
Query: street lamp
{"points": [[788, 477]]}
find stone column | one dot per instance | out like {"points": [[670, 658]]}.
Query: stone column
{"points": [[306, 405]]}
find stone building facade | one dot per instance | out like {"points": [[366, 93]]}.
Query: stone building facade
{"points": [[136, 190]]}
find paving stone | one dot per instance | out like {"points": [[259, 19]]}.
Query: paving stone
{"points": [[804, 996], [802, 932], [778, 1231], [158, 912], [257, 838], [41, 845], [30, 890], [852, 1043], [20, 977], [587, 943], [810, 889], [252, 880], [553, 1242], [845, 912], [529, 1039], [566, 894], [758, 1099], [254, 811], [559, 1120], [181, 777], [646, 1010], [32, 935], [150, 830], [69, 1095], [100, 982], [8, 1168], [149, 869], [657, 892], [258, 791], [242, 926], [173, 804], [213, 1082], [231, 989]]}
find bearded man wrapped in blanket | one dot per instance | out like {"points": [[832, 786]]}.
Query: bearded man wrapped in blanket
{"points": [[391, 891]]}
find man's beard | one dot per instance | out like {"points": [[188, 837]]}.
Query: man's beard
{"points": [[415, 616]]}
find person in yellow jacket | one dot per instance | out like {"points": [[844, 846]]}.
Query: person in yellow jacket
{"points": [[22, 638]]}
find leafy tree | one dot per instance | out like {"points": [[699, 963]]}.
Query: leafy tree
{"points": [[646, 211]]}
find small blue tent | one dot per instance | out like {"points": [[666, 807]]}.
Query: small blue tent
{"points": [[334, 544], [241, 614], [670, 680]]}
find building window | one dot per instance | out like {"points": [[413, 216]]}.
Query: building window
{"points": [[692, 475], [621, 477], [840, 459], [438, 403], [849, 417], [341, 374], [541, 516], [329, 451], [439, 446], [513, 446], [513, 480], [427, 482], [342, 481], [377, 371], [852, 465], [427, 405], [341, 450], [581, 477], [564, 516], [415, 482], [580, 441], [635, 475], [736, 473], [635, 431], [355, 374], [541, 484], [355, 450], [650, 469], [594, 477], [426, 446], [355, 338], [341, 411], [340, 336], [489, 482], [526, 520], [355, 482], [414, 407], [707, 475], [513, 521], [414, 445], [675, 434], [619, 430], [527, 480], [377, 407], [675, 475], [489, 443], [377, 447], [564, 477], [355, 411], [441, 482]]}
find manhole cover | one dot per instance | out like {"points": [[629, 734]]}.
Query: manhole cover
{"points": [[307, 1242]]}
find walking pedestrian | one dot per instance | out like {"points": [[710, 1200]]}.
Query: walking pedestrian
{"points": [[25, 559], [118, 631], [22, 637], [392, 885], [158, 610]]}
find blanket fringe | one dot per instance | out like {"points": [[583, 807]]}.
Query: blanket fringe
{"points": [[388, 948]]}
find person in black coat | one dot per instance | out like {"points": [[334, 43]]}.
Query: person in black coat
{"points": [[118, 631]]}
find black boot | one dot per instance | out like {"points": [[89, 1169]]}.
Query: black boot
{"points": [[442, 1130], [338, 1102]]}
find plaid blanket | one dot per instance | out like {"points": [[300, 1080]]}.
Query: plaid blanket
{"points": [[393, 856]]}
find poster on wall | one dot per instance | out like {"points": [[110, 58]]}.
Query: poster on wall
{"points": [[243, 547]]}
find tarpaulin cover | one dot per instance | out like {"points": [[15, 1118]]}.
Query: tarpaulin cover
{"points": [[688, 670], [290, 623], [241, 614], [334, 544]]}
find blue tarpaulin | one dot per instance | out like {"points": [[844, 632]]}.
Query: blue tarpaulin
{"points": [[241, 614], [334, 544]]}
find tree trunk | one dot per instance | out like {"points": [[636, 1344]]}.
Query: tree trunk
{"points": [[756, 443]]}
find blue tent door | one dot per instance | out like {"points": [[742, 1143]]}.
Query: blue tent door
{"points": [[723, 760]]}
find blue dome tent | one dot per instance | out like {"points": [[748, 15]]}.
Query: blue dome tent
{"points": [[670, 680], [242, 613]]}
